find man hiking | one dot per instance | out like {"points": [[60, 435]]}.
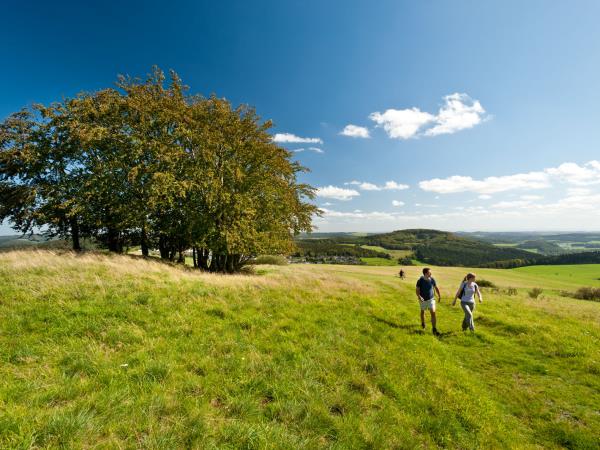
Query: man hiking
{"points": [[425, 293]]}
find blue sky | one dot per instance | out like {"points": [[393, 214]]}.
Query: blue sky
{"points": [[486, 111]]}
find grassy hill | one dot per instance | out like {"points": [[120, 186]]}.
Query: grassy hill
{"points": [[428, 246], [541, 246], [119, 352], [462, 249], [444, 248]]}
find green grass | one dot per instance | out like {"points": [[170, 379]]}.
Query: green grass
{"points": [[379, 262], [569, 275], [117, 352], [393, 253]]}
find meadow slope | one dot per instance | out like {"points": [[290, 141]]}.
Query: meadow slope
{"points": [[118, 352]]}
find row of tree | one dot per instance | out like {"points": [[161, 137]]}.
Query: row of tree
{"points": [[148, 164]]}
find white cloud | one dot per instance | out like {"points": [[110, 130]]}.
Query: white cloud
{"points": [[403, 123], [397, 203], [393, 186], [336, 193], [585, 202], [489, 185], [328, 204], [531, 197], [484, 197], [311, 149], [573, 173], [355, 131], [293, 139], [578, 191], [519, 215], [368, 187], [458, 112], [358, 214], [511, 204], [570, 173], [388, 186]]}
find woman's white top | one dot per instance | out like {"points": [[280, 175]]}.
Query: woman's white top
{"points": [[469, 292]]}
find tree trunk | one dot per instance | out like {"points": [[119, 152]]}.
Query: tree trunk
{"points": [[217, 263], [203, 255], [194, 261], [163, 248], [239, 262], [181, 258], [144, 241], [114, 241], [230, 263], [75, 234]]}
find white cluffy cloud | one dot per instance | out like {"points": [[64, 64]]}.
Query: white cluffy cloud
{"points": [[531, 198], [358, 214], [336, 193], [512, 204], [570, 173], [397, 203], [355, 131], [458, 112], [310, 149], [388, 186], [489, 185], [290, 138], [403, 123]]}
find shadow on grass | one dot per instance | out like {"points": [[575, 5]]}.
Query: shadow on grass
{"points": [[398, 326], [413, 328], [417, 330]]}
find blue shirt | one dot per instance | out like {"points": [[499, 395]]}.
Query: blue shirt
{"points": [[426, 287]]}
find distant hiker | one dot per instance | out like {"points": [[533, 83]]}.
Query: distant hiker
{"points": [[401, 274], [466, 292], [425, 293]]}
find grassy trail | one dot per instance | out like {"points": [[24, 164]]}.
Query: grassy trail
{"points": [[117, 352]]}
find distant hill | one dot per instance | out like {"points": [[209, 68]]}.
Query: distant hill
{"points": [[441, 248], [33, 240], [588, 257], [447, 249], [18, 241], [542, 246]]}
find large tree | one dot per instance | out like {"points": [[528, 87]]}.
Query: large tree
{"points": [[146, 163]]}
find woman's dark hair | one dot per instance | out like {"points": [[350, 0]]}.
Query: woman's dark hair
{"points": [[425, 270]]}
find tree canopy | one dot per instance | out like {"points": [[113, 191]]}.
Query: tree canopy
{"points": [[146, 163]]}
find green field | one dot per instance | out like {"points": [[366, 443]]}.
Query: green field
{"points": [[568, 275], [379, 262], [106, 351], [393, 253]]}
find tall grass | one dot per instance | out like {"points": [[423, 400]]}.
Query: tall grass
{"points": [[102, 351]]}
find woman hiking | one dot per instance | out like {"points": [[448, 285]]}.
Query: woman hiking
{"points": [[466, 292]]}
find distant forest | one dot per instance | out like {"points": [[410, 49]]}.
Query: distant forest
{"points": [[450, 249]]}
